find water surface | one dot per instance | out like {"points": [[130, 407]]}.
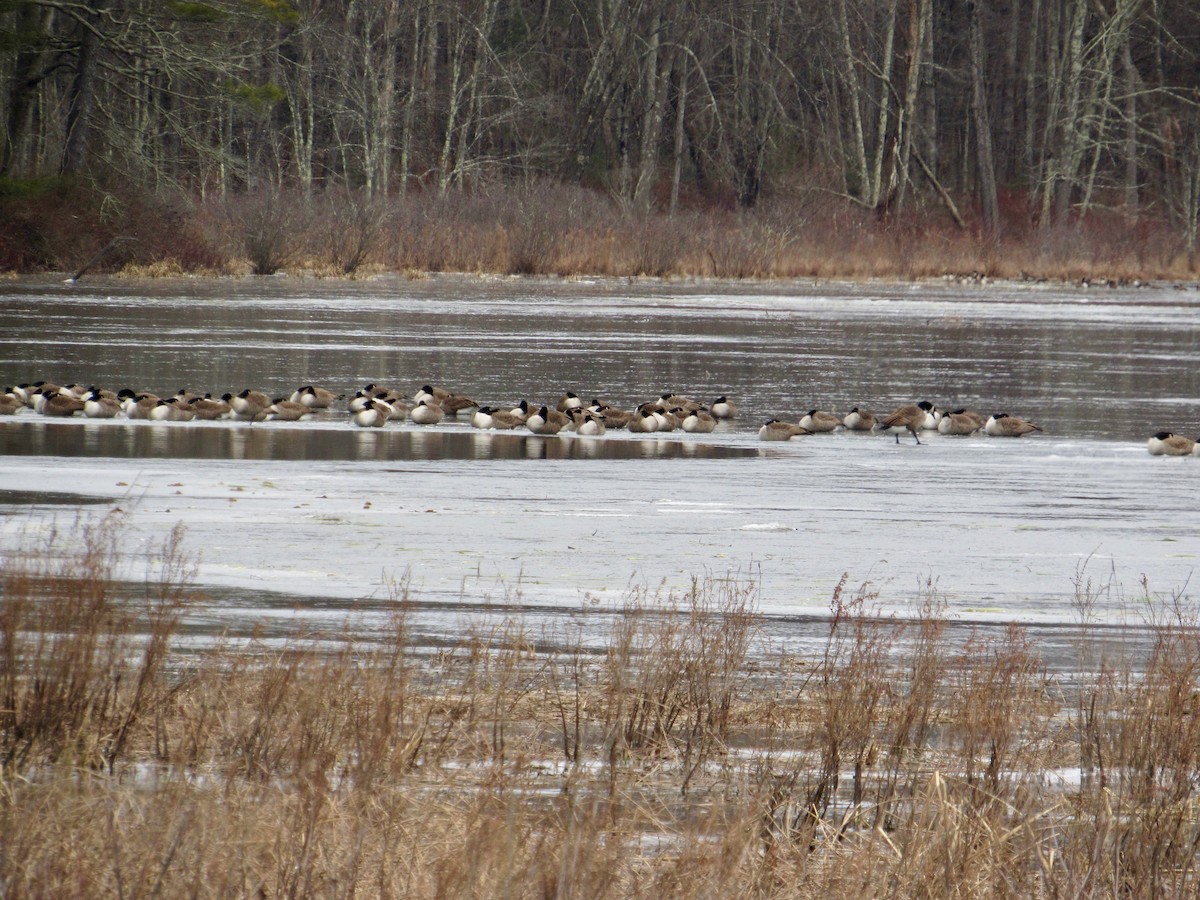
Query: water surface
{"points": [[324, 519]]}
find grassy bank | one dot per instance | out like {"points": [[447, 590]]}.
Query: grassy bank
{"points": [[680, 756], [556, 230]]}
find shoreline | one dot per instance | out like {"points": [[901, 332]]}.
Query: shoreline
{"points": [[315, 275]]}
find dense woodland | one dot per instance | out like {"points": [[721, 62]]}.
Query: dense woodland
{"points": [[1068, 124]]}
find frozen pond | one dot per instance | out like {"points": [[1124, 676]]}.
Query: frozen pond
{"points": [[314, 520]]}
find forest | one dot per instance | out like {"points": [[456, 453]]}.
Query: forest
{"points": [[1048, 138]]}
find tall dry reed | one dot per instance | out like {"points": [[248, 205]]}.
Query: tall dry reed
{"points": [[676, 754]]}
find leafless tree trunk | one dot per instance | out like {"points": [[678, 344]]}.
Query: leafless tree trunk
{"points": [[984, 164]]}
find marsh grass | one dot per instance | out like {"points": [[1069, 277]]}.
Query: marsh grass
{"points": [[547, 228], [681, 756]]}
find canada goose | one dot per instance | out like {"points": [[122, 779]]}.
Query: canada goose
{"points": [[613, 417], [1004, 425], [360, 401], [959, 422], [910, 418], [40, 392], [452, 404], [373, 415], [817, 421], [644, 421], [587, 423], [859, 420], [672, 401], [698, 421], [426, 412], [521, 410], [970, 414], [97, 406], [138, 406], [287, 410], [569, 401], [37, 399], [180, 410], [184, 400], [315, 397], [1167, 444], [774, 430], [429, 393], [10, 402], [503, 420], [668, 419], [22, 392], [723, 408], [398, 405], [168, 410], [499, 419], [58, 404], [546, 421], [248, 403], [933, 415], [208, 409]]}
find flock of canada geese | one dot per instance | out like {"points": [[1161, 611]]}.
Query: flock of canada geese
{"points": [[375, 405]]}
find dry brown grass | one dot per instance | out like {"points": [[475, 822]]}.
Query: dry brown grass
{"points": [[681, 758], [547, 228]]}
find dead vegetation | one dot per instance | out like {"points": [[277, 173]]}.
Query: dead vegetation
{"points": [[549, 229], [682, 755]]}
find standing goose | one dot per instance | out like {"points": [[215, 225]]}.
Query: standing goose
{"points": [[817, 421], [910, 418], [859, 420], [1004, 425], [1165, 443], [774, 430]]}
